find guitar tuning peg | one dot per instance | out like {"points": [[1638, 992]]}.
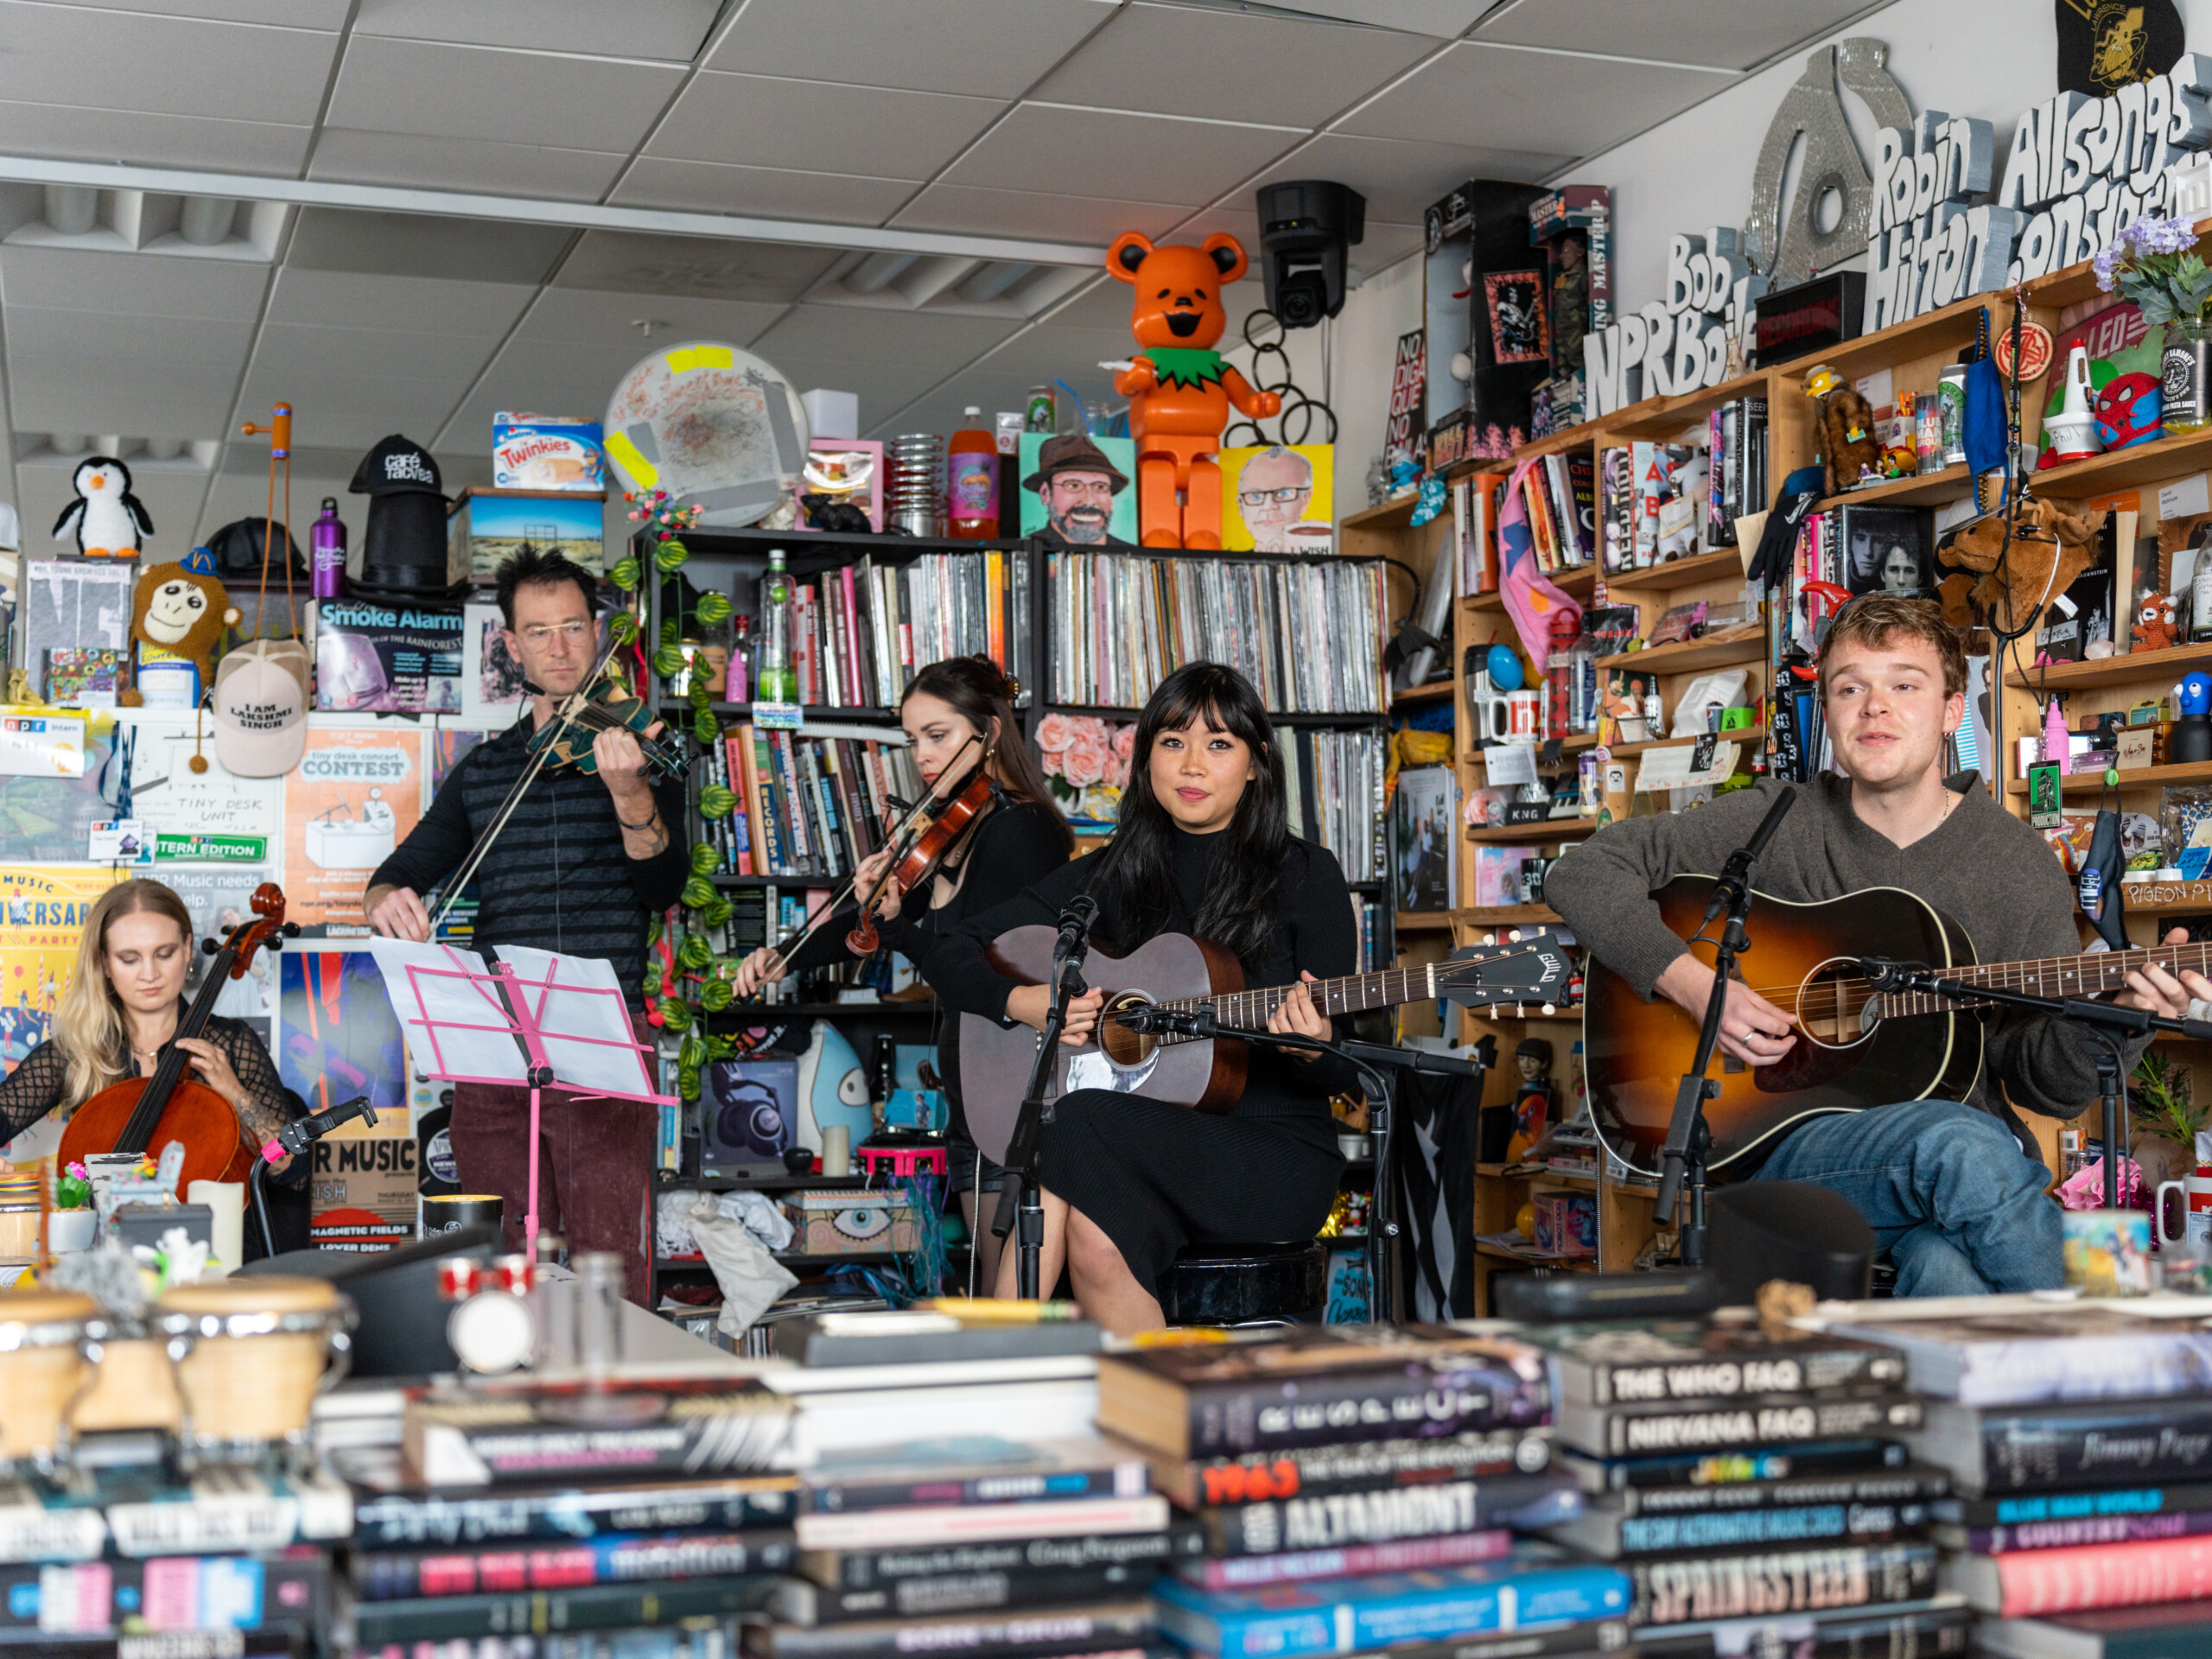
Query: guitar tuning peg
{"points": [[1493, 1010], [1490, 939], [1550, 1008], [1514, 936]]}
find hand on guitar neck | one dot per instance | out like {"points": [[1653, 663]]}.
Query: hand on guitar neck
{"points": [[2165, 993]]}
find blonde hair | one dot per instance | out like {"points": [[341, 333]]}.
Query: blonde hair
{"points": [[88, 1021]]}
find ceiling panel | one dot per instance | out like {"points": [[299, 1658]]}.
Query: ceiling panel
{"points": [[418, 244], [672, 30], [1399, 178], [988, 47], [1118, 156], [1071, 353], [151, 377], [445, 362], [1053, 217], [133, 137], [1445, 17], [619, 262], [1674, 31], [474, 91], [1232, 66], [131, 283], [811, 126], [771, 192], [169, 66], [884, 388], [464, 164], [1510, 98], [587, 317], [287, 14], [869, 334], [345, 299], [354, 411]]}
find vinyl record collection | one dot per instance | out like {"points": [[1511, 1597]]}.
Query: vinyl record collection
{"points": [[859, 633], [1334, 786]]}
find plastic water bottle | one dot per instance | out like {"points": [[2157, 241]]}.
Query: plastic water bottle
{"points": [[777, 682]]}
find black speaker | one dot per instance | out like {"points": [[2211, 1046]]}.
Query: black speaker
{"points": [[403, 1325], [1791, 1230]]}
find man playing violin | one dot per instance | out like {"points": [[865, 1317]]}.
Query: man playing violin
{"points": [[582, 866]]}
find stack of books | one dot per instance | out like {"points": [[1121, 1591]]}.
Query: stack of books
{"points": [[2079, 1443], [811, 803], [509, 1509], [1735, 1475], [1361, 1487]]}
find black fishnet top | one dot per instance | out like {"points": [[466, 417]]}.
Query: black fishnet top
{"points": [[36, 1086]]}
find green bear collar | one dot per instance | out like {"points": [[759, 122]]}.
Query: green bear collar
{"points": [[1185, 365]]}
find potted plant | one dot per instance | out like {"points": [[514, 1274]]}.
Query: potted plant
{"points": [[2166, 1119], [75, 1222], [2153, 263]]}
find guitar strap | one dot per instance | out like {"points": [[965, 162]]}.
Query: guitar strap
{"points": [[2102, 894]]}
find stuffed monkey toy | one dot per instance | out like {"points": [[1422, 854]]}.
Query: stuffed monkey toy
{"points": [[181, 609], [1849, 448]]}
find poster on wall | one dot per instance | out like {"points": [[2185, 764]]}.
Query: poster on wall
{"points": [[220, 896], [48, 818], [491, 678], [42, 913], [1278, 500], [210, 816], [351, 799], [1075, 490], [338, 1036]]}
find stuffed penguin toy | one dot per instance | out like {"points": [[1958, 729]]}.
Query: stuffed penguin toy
{"points": [[109, 519]]}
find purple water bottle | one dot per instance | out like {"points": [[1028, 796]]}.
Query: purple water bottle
{"points": [[328, 541]]}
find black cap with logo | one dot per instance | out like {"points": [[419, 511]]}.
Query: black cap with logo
{"points": [[396, 467], [403, 550]]}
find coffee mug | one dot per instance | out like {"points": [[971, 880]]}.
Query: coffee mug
{"points": [[1523, 714], [2194, 1208], [2107, 1251]]}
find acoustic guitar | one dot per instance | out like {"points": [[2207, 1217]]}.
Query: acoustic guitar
{"points": [[145, 1114], [1178, 972], [1853, 1046]]}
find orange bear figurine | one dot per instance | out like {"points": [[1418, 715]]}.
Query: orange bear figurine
{"points": [[1180, 390]]}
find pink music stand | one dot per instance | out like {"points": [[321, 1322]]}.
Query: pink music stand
{"points": [[504, 990]]}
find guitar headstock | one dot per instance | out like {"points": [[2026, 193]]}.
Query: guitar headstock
{"points": [[270, 929], [1534, 970]]}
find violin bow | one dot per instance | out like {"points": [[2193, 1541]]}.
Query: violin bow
{"points": [[572, 707], [897, 840]]}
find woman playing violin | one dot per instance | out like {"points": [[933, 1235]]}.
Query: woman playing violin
{"points": [[120, 1009], [954, 714], [1203, 848]]}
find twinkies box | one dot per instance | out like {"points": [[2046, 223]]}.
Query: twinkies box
{"points": [[385, 659], [546, 452], [483, 527], [848, 1223]]}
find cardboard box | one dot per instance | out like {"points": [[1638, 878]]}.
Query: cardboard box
{"points": [[539, 451], [846, 1223], [363, 1196], [1566, 1225], [484, 526], [376, 659]]}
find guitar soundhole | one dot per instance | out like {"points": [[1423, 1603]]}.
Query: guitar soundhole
{"points": [[1832, 1004], [1129, 1049]]}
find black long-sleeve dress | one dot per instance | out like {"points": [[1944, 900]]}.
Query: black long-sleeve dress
{"points": [[1154, 1176], [1017, 843]]}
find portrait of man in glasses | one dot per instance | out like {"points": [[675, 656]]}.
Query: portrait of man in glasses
{"points": [[1272, 492]]}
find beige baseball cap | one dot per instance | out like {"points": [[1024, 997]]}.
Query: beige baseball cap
{"points": [[261, 708]]}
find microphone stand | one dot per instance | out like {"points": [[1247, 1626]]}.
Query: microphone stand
{"points": [[294, 1139], [1025, 1150], [2109, 1021], [1689, 1137]]}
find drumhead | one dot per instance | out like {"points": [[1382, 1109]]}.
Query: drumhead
{"points": [[22, 1309], [253, 1294]]}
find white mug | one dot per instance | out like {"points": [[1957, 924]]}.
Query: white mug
{"points": [[2197, 1207]]}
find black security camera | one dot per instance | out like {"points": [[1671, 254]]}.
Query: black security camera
{"points": [[1305, 228]]}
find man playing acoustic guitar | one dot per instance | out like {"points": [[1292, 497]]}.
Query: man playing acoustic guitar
{"points": [[1953, 1189]]}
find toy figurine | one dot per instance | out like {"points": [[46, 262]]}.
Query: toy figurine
{"points": [[1846, 425], [2155, 628], [1180, 389], [1532, 1097], [2192, 738]]}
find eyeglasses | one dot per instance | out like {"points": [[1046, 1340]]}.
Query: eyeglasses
{"points": [[1260, 498], [544, 633]]}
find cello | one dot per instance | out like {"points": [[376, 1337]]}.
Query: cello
{"points": [[140, 1114]]}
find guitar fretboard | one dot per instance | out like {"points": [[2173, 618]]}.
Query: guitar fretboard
{"points": [[1252, 1009], [2093, 975]]}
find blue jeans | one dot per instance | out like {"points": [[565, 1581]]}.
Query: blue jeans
{"points": [[1947, 1190]]}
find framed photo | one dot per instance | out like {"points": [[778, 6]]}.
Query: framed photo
{"points": [[1889, 549], [1519, 330]]}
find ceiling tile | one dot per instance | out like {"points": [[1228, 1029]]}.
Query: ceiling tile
{"points": [[988, 47], [1399, 179], [132, 136], [464, 164], [420, 244], [1051, 216], [883, 388], [345, 299], [861, 333], [1232, 66], [770, 192], [474, 91], [810, 126], [1514, 100], [343, 411], [1673, 31], [547, 376], [136, 284], [671, 30], [153, 376], [1117, 156], [621, 263], [170, 66], [584, 316], [1444, 17], [1072, 354], [328, 14], [443, 362], [1104, 304]]}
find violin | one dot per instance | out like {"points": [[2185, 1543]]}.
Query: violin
{"points": [[566, 740], [145, 1114], [929, 836]]}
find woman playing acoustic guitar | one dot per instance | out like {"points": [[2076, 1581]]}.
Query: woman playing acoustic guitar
{"points": [[120, 1008], [1203, 848]]}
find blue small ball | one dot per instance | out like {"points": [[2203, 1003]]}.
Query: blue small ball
{"points": [[1504, 668]]}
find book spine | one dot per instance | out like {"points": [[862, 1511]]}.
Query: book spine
{"points": [[1917, 1486], [969, 1592], [792, 795], [1705, 1379], [1726, 1468], [839, 1496], [1041, 1631], [761, 797], [2034, 1583], [40, 1602], [496, 1569], [1231, 1417], [416, 1521], [595, 1607], [2098, 1529], [878, 1529], [1752, 1423], [1135, 1551], [1421, 1614], [1652, 1534], [1351, 1561], [1382, 1518], [1698, 1588], [2076, 1446], [2073, 1506]]}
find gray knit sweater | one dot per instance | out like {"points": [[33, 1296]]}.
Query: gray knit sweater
{"points": [[1985, 868]]}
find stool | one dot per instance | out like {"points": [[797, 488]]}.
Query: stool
{"points": [[1247, 1284]]}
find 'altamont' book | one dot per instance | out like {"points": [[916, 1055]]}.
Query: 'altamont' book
{"points": [[1599, 1364], [1521, 1502], [1718, 1426]]}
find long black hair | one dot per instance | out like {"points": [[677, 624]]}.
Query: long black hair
{"points": [[1137, 884], [980, 692]]}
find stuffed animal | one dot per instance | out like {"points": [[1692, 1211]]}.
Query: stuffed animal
{"points": [[1179, 388], [2155, 628], [180, 608], [108, 518], [2050, 547], [1848, 447], [1955, 593]]}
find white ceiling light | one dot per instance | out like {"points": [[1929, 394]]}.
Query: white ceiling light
{"points": [[993, 280], [205, 220], [73, 209], [877, 272]]}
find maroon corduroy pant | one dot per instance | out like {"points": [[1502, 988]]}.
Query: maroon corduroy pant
{"points": [[595, 1167]]}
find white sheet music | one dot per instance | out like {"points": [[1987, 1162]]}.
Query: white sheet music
{"points": [[419, 999], [566, 1014]]}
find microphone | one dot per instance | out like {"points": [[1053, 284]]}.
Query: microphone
{"points": [[296, 1136], [1075, 928], [1734, 885], [1150, 1020]]}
